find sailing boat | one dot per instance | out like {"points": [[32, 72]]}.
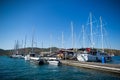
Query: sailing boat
{"points": [[50, 59], [101, 54], [32, 55], [16, 53], [90, 54], [85, 55]]}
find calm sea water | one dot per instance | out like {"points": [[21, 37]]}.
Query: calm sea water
{"points": [[19, 69], [115, 60]]}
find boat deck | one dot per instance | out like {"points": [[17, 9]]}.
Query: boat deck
{"points": [[113, 68]]}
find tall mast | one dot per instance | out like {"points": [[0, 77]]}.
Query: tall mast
{"points": [[32, 44], [58, 44], [21, 51], [32, 41], [42, 44], [83, 35], [50, 43], [22, 44], [75, 44], [17, 46], [25, 44], [72, 35], [62, 40], [101, 33], [91, 32]]}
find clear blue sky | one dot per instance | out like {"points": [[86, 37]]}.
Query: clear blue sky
{"points": [[52, 17]]}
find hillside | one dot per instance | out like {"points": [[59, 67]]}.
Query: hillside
{"points": [[39, 50], [27, 50], [4, 52]]}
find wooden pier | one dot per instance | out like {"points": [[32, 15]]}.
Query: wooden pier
{"points": [[113, 68]]}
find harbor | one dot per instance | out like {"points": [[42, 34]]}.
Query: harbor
{"points": [[59, 40], [83, 58], [70, 58]]}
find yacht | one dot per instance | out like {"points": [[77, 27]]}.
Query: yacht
{"points": [[31, 56], [17, 56], [53, 61], [93, 55], [89, 54]]}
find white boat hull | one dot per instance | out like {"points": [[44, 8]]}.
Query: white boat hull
{"points": [[34, 58], [17, 56], [86, 57], [54, 63], [27, 57]]}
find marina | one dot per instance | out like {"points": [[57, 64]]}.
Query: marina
{"points": [[59, 40], [72, 59]]}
